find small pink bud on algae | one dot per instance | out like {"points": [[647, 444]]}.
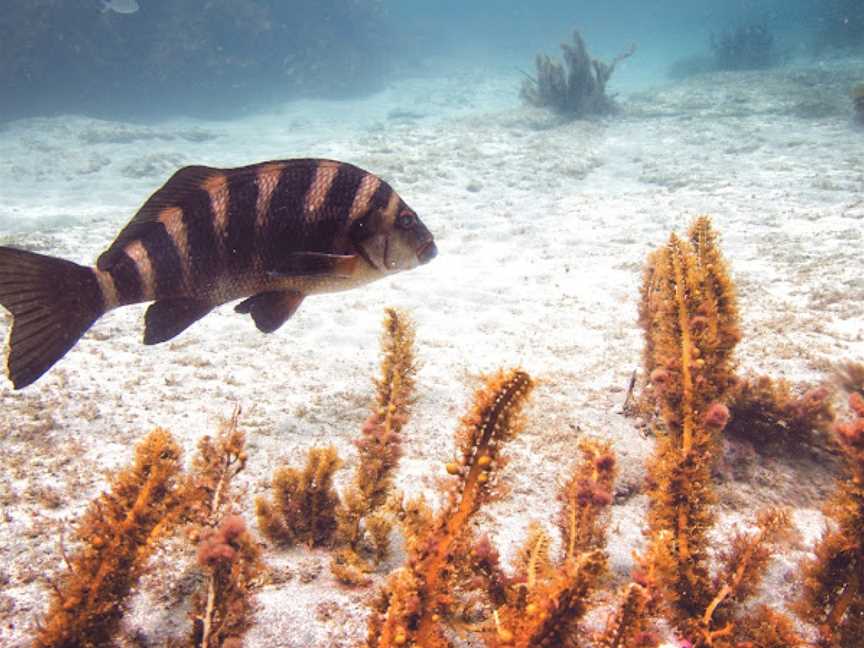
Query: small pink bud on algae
{"points": [[716, 416], [659, 376]]}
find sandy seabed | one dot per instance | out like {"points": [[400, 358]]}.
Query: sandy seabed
{"points": [[542, 228]]}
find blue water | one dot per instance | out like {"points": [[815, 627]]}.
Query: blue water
{"points": [[227, 57]]}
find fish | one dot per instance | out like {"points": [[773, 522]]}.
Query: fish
{"points": [[120, 6], [269, 233]]}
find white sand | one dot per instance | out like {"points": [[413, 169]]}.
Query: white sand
{"points": [[542, 230]]}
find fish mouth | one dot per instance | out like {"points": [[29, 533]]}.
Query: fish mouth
{"points": [[427, 252]]}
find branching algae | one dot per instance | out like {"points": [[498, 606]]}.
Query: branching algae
{"points": [[690, 317], [306, 509], [122, 528], [452, 587]]}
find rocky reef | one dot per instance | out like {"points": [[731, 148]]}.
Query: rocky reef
{"points": [[209, 58]]}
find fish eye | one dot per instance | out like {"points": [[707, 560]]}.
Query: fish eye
{"points": [[406, 220]]}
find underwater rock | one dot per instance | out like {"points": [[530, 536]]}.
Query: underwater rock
{"points": [[186, 57], [747, 47]]}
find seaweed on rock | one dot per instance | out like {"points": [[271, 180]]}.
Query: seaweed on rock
{"points": [[578, 92]]}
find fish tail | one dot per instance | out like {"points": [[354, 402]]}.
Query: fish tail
{"points": [[53, 302]]}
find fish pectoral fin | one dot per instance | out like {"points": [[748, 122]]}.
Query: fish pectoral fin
{"points": [[270, 310], [167, 318], [308, 264]]}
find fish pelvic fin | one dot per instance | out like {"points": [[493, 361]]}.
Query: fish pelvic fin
{"points": [[168, 318], [53, 302], [272, 309]]}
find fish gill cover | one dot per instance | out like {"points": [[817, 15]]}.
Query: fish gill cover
{"points": [[184, 55]]}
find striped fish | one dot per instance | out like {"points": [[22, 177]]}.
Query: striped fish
{"points": [[270, 233]]}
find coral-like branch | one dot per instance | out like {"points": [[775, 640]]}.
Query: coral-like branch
{"points": [[379, 447], [217, 462], [118, 532], [379, 450], [553, 608], [582, 91], [546, 599], [232, 560], [493, 420], [690, 318], [850, 376], [417, 598], [767, 628], [629, 625], [586, 496], [745, 563]]}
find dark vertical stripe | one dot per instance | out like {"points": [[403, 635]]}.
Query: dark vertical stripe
{"points": [[381, 197], [165, 261], [327, 231], [286, 230], [198, 217], [342, 192], [127, 281], [242, 203]]}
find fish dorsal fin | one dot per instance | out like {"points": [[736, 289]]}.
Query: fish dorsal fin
{"points": [[173, 193]]}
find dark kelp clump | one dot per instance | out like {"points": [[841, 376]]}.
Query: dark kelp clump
{"points": [[833, 592], [578, 91]]}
